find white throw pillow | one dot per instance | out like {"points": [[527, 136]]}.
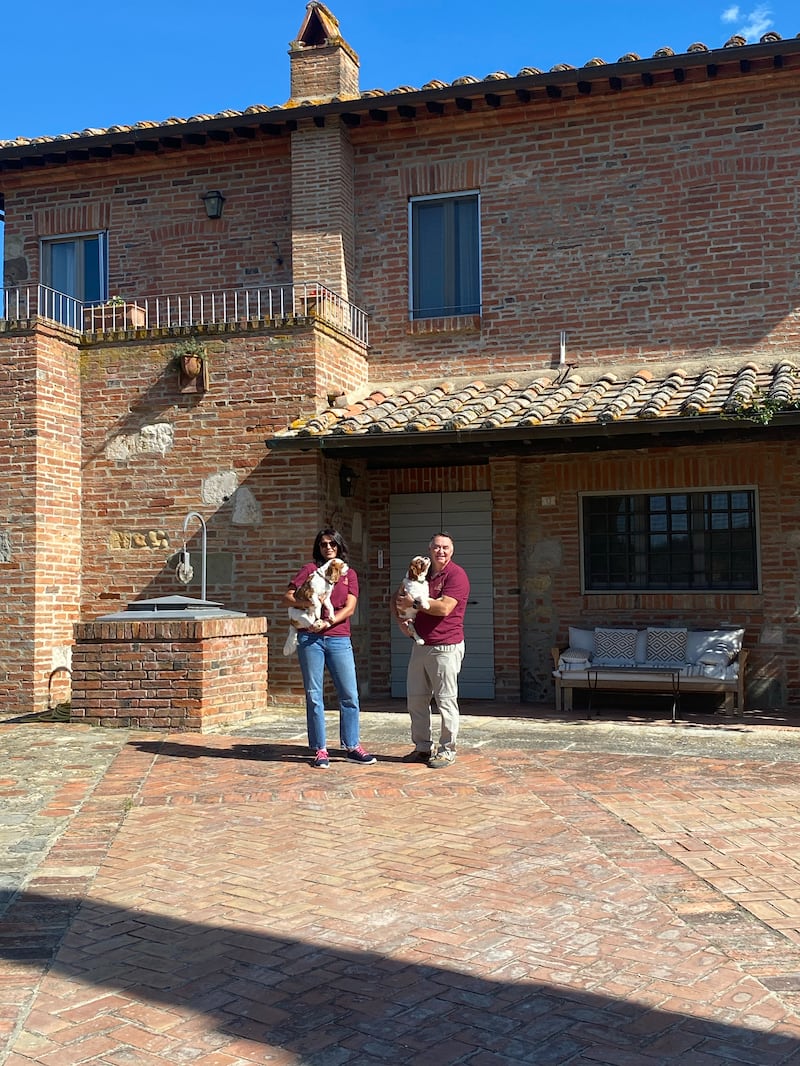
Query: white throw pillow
{"points": [[725, 643], [581, 639]]}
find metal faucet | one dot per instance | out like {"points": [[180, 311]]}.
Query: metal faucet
{"points": [[204, 545]]}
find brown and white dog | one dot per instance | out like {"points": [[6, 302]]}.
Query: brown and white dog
{"points": [[313, 599], [415, 583]]}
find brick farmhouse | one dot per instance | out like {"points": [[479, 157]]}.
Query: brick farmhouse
{"points": [[555, 312]]}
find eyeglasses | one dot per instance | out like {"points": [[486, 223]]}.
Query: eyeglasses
{"points": [[328, 544]]}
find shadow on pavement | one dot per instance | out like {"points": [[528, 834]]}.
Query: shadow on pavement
{"points": [[329, 1004]]}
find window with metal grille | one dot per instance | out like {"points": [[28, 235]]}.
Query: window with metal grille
{"points": [[693, 541]]}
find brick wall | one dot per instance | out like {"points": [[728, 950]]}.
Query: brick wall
{"points": [[323, 72], [322, 206], [647, 225], [40, 501], [152, 455], [18, 519], [550, 567], [160, 240], [186, 675]]}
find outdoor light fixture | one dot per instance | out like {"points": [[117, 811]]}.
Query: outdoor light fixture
{"points": [[347, 481], [213, 201]]}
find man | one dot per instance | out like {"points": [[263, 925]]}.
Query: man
{"points": [[435, 664]]}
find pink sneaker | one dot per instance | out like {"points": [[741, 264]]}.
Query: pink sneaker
{"points": [[358, 754]]}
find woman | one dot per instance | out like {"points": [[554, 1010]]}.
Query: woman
{"points": [[327, 644]]}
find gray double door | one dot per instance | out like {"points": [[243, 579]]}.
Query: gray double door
{"points": [[467, 516]]}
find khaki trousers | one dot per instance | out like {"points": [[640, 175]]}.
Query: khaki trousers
{"points": [[433, 671]]}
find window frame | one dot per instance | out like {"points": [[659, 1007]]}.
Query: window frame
{"points": [[470, 307], [666, 589], [79, 239]]}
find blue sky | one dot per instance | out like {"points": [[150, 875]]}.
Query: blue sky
{"points": [[92, 65]]}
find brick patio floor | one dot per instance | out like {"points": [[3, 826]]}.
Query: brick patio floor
{"points": [[213, 900]]}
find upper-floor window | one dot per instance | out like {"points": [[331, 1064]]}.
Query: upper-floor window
{"points": [[692, 541], [74, 267], [445, 256]]}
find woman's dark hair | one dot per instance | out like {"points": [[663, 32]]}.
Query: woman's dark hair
{"points": [[341, 544]]}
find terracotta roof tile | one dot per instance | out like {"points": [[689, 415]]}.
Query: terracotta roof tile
{"points": [[575, 411], [558, 398], [744, 387], [702, 390]]}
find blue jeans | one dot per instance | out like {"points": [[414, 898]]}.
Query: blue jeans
{"points": [[314, 653]]}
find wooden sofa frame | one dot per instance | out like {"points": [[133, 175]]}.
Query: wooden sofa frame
{"points": [[593, 680]]}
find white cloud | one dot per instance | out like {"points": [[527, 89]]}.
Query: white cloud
{"points": [[750, 24]]}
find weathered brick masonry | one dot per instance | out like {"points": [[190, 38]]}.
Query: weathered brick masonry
{"points": [[40, 411], [647, 226], [192, 675]]}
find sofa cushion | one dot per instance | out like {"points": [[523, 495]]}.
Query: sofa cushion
{"points": [[573, 659], [714, 647], [614, 646], [666, 645], [581, 640]]}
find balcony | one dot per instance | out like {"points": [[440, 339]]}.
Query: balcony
{"points": [[280, 304]]}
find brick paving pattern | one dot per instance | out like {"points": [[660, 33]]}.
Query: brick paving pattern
{"points": [[214, 900]]}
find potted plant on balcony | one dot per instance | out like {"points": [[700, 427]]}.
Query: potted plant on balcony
{"points": [[115, 313]]}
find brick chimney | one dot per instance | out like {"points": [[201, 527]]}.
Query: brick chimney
{"points": [[323, 65]]}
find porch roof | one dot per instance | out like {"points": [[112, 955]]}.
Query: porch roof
{"points": [[562, 409]]}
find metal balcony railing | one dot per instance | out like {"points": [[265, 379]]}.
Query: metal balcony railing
{"points": [[174, 310]]}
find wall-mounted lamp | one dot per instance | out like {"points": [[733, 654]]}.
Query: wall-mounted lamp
{"points": [[213, 201], [347, 481]]}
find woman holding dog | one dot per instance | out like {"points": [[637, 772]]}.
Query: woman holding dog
{"points": [[326, 645]]}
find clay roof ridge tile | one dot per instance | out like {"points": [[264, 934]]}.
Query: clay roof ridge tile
{"points": [[591, 397], [701, 393], [664, 394], [743, 388], [784, 383], [629, 393]]}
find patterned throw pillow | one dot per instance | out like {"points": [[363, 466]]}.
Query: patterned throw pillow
{"points": [[573, 659], [666, 645], [615, 644]]}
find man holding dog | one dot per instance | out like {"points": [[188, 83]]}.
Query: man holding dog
{"points": [[434, 665]]}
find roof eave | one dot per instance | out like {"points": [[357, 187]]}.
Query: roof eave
{"points": [[563, 436], [281, 119]]}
